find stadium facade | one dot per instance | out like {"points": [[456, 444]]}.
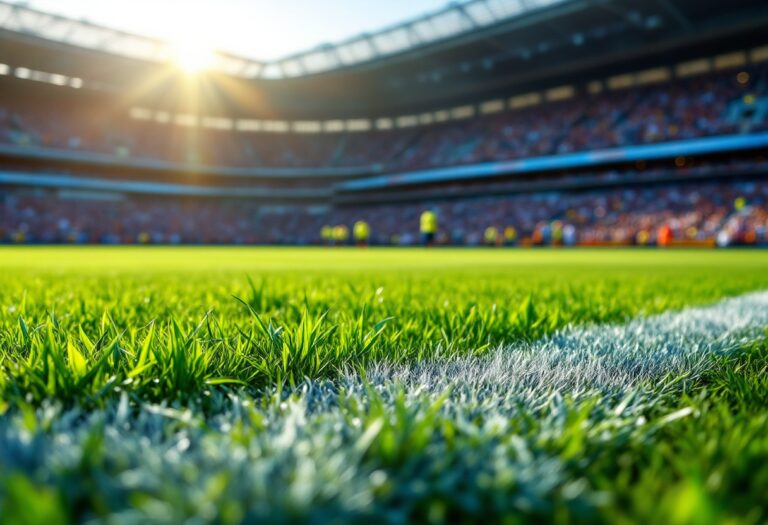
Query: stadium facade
{"points": [[498, 113]]}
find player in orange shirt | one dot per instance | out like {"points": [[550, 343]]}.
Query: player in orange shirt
{"points": [[664, 237]]}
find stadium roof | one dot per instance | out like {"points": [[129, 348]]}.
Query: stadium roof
{"points": [[567, 45], [456, 19]]}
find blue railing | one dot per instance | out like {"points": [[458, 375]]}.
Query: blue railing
{"points": [[682, 148], [595, 158]]}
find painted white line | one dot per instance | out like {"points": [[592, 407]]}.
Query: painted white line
{"points": [[583, 359]]}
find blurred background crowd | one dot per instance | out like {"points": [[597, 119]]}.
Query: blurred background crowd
{"points": [[721, 213], [722, 103], [710, 211]]}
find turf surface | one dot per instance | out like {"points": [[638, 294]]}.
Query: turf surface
{"points": [[234, 384]]}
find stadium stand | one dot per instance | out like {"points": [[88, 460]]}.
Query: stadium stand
{"points": [[584, 147], [731, 102], [706, 213]]}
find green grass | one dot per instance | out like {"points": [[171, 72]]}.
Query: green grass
{"points": [[218, 344], [78, 322]]}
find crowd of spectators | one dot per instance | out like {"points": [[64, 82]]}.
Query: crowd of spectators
{"points": [[722, 103], [726, 213], [723, 213], [54, 217], [693, 212], [94, 128], [685, 109]]}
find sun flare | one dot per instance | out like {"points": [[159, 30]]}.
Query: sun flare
{"points": [[192, 57]]}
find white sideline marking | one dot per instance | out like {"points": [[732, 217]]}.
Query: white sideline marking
{"points": [[581, 359]]}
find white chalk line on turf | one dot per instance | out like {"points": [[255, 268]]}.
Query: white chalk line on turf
{"points": [[580, 359]]}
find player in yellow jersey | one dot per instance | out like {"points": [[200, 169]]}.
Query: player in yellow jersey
{"points": [[510, 235], [340, 234], [428, 227], [740, 203], [491, 236], [362, 233], [326, 233]]}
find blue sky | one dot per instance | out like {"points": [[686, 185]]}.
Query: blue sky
{"points": [[260, 29]]}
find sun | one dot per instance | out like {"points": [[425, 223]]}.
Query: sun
{"points": [[191, 57]]}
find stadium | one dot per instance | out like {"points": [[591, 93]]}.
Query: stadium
{"points": [[621, 121], [501, 260]]}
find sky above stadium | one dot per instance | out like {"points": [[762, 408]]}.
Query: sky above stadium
{"points": [[258, 29]]}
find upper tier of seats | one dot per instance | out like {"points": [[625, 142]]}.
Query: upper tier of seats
{"points": [[724, 103]]}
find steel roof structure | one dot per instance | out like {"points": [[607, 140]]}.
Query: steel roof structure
{"points": [[456, 19]]}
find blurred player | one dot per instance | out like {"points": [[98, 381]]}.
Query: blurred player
{"points": [[643, 237], [362, 233], [740, 203], [664, 236], [340, 235], [510, 236], [326, 233], [556, 233], [569, 235], [428, 227], [491, 236]]}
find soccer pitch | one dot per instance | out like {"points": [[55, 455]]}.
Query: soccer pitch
{"points": [[242, 385]]}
